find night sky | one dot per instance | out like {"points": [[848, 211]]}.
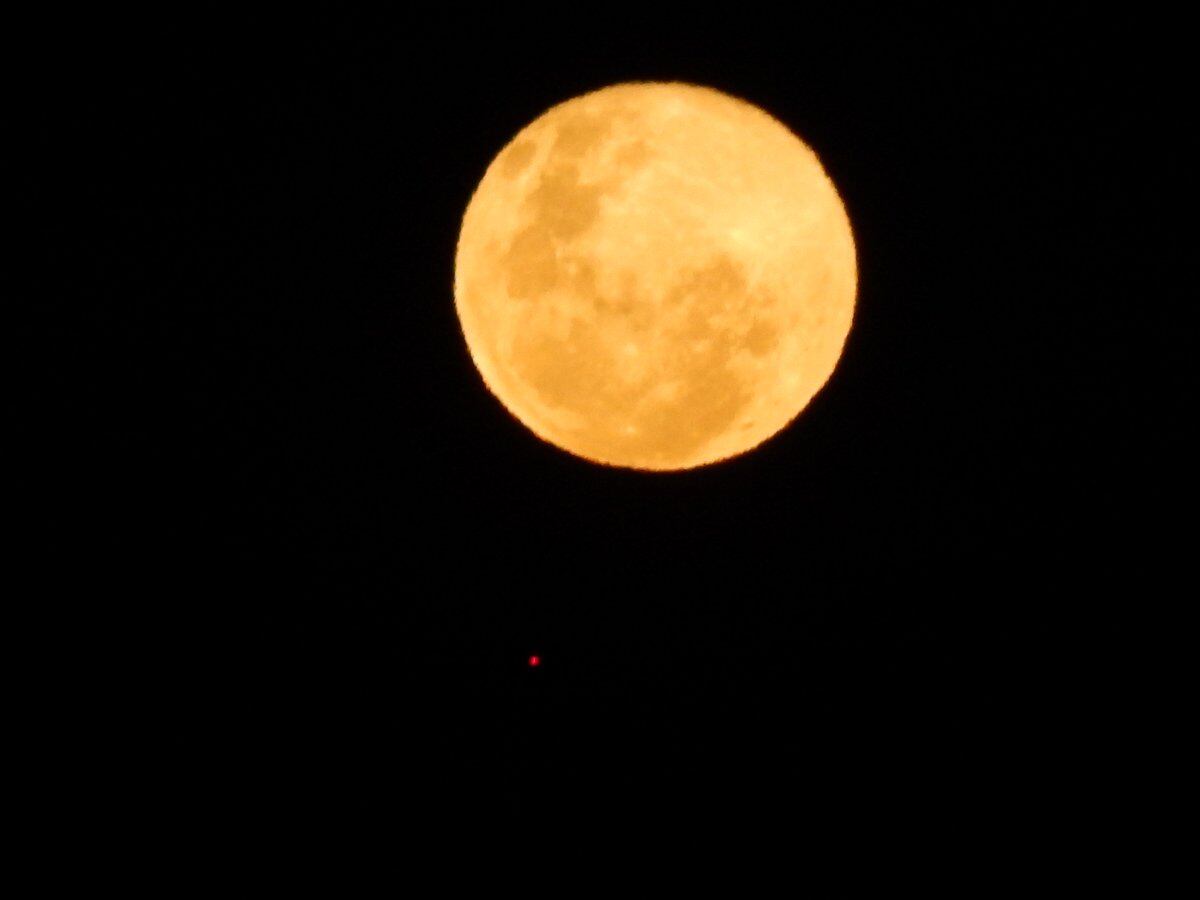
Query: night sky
{"points": [[344, 551]]}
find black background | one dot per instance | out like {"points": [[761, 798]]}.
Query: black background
{"points": [[342, 550]]}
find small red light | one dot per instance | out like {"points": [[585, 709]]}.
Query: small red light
{"points": [[535, 661]]}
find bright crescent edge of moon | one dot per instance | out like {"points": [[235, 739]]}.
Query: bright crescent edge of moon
{"points": [[655, 275]]}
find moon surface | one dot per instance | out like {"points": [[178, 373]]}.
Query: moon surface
{"points": [[656, 276]]}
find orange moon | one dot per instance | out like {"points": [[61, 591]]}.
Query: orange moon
{"points": [[655, 276]]}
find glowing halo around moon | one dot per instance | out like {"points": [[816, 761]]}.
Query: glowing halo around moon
{"points": [[656, 276]]}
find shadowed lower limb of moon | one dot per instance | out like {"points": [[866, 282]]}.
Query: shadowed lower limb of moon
{"points": [[655, 276]]}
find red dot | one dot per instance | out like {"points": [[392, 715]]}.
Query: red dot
{"points": [[535, 661]]}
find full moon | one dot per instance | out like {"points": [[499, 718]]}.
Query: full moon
{"points": [[655, 276]]}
